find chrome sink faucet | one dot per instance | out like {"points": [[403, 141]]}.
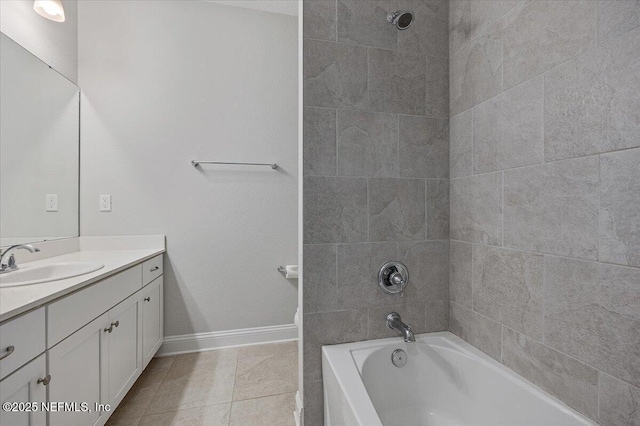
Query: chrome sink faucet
{"points": [[11, 261], [394, 322]]}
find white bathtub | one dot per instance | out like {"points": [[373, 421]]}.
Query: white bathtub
{"points": [[446, 381]]}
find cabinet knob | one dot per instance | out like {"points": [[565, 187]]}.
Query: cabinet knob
{"points": [[147, 299], [46, 380], [7, 352], [115, 324], [155, 268]]}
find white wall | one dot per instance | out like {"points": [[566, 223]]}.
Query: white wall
{"points": [[53, 42], [166, 82]]}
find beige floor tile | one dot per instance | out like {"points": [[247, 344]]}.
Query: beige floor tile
{"points": [[268, 411], [265, 374], [123, 422], [268, 349], [212, 415], [137, 400], [196, 380]]}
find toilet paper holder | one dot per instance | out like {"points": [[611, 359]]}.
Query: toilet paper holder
{"points": [[283, 271]]}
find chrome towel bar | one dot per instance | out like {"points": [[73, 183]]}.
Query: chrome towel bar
{"points": [[196, 163]]}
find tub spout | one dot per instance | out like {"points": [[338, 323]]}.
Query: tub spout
{"points": [[395, 323]]}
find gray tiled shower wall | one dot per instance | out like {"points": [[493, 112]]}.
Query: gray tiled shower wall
{"points": [[544, 151], [545, 195], [376, 173]]}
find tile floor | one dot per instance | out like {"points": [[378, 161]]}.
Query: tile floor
{"points": [[249, 386]]}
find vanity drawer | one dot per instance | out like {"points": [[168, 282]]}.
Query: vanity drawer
{"points": [[72, 312], [151, 269], [27, 336]]}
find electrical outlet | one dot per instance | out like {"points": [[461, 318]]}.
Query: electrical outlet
{"points": [[105, 203], [52, 203]]}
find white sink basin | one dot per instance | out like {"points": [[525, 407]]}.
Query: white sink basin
{"points": [[51, 272]]}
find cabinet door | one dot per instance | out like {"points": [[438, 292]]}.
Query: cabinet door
{"points": [[22, 386], [124, 352], [78, 370], [152, 315]]}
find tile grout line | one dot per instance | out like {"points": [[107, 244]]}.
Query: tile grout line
{"points": [[599, 205], [337, 143], [502, 207], [578, 259], [372, 111], [233, 388], [155, 393], [544, 297], [544, 163]]}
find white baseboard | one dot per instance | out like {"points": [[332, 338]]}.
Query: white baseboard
{"points": [[298, 413], [199, 342]]}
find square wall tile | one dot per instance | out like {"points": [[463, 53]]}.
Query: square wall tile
{"points": [[538, 35], [461, 144], [335, 75], [367, 144], [592, 102], [330, 328], [592, 312], [619, 402], [480, 331], [508, 288], [424, 147], [619, 208], [335, 210], [508, 130], [618, 17], [437, 209], [313, 404], [358, 266], [476, 209], [476, 72], [469, 19], [319, 142], [429, 34], [319, 18], [320, 277], [460, 273], [428, 264], [397, 82], [437, 97], [365, 23], [436, 316], [397, 209], [573, 382], [553, 208]]}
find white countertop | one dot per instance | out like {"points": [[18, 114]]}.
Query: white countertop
{"points": [[20, 299]]}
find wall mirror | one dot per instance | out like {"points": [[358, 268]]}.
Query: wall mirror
{"points": [[39, 149]]}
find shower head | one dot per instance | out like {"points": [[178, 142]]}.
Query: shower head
{"points": [[402, 19]]}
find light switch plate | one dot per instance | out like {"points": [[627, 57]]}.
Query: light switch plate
{"points": [[52, 203], [105, 203]]}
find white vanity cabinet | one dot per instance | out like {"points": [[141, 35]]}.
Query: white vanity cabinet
{"points": [[96, 342], [124, 338], [152, 319], [25, 385], [78, 369]]}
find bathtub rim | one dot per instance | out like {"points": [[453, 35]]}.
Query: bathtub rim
{"points": [[345, 370]]}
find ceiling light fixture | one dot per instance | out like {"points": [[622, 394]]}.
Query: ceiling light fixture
{"points": [[50, 9]]}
